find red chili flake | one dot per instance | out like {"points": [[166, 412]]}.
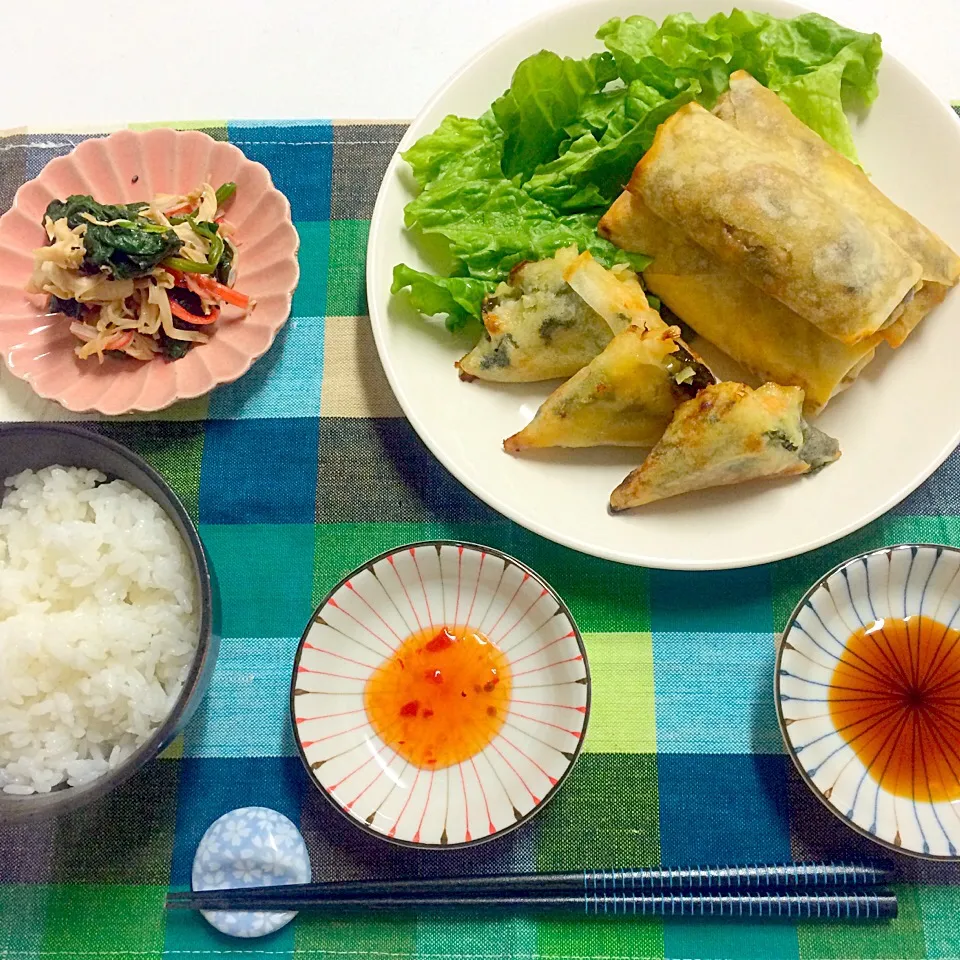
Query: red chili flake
{"points": [[410, 709], [442, 641], [488, 687], [491, 711], [433, 676], [427, 714]]}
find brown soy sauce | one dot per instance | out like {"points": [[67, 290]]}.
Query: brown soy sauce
{"points": [[895, 698]]}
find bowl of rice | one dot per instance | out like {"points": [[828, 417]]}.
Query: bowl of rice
{"points": [[106, 618]]}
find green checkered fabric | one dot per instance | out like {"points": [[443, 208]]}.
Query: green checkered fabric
{"points": [[303, 469]]}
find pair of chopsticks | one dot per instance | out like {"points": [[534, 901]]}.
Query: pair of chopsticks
{"points": [[807, 891]]}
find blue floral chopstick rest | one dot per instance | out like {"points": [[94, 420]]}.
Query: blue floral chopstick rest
{"points": [[250, 847]]}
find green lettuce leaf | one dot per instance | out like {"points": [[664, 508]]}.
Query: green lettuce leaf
{"points": [[815, 65], [670, 57], [460, 148], [816, 98], [460, 298], [546, 94], [777, 52], [492, 225], [593, 170]]}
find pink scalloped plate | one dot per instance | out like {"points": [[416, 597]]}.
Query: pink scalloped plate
{"points": [[121, 168]]}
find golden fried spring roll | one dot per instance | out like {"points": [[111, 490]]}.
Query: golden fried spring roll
{"points": [[758, 112], [738, 201], [927, 297], [756, 330]]}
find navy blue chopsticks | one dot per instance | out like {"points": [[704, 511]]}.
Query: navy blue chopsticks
{"points": [[837, 891]]}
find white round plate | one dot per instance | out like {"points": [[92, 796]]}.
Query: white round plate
{"points": [[362, 624], [895, 426]]}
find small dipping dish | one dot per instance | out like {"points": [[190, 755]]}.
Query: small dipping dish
{"points": [[868, 696], [440, 694]]}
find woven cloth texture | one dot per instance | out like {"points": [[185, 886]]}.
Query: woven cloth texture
{"points": [[305, 468]]}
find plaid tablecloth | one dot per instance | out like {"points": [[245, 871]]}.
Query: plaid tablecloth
{"points": [[303, 469]]}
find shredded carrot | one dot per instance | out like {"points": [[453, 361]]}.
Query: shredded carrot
{"points": [[224, 293], [178, 311], [120, 341]]}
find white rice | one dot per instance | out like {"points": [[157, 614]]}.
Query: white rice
{"points": [[98, 625]]}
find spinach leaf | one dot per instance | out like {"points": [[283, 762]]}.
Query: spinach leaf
{"points": [[125, 250], [500, 355], [189, 301], [781, 439], [222, 273], [174, 349], [128, 252], [70, 307], [74, 207]]}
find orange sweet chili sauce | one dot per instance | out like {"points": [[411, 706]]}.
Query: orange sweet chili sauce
{"points": [[441, 697]]}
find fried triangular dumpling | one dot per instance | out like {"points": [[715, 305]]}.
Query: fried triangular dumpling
{"points": [[536, 327], [728, 434], [615, 294], [624, 397]]}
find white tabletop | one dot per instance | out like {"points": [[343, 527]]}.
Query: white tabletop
{"points": [[353, 59]]}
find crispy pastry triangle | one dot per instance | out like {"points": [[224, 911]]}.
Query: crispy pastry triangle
{"points": [[728, 434]]}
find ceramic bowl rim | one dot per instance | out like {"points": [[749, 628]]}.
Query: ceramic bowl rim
{"points": [[548, 795], [192, 691], [181, 394], [781, 723]]}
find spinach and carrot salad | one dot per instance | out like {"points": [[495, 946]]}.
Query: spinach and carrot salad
{"points": [[536, 172], [143, 279]]}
